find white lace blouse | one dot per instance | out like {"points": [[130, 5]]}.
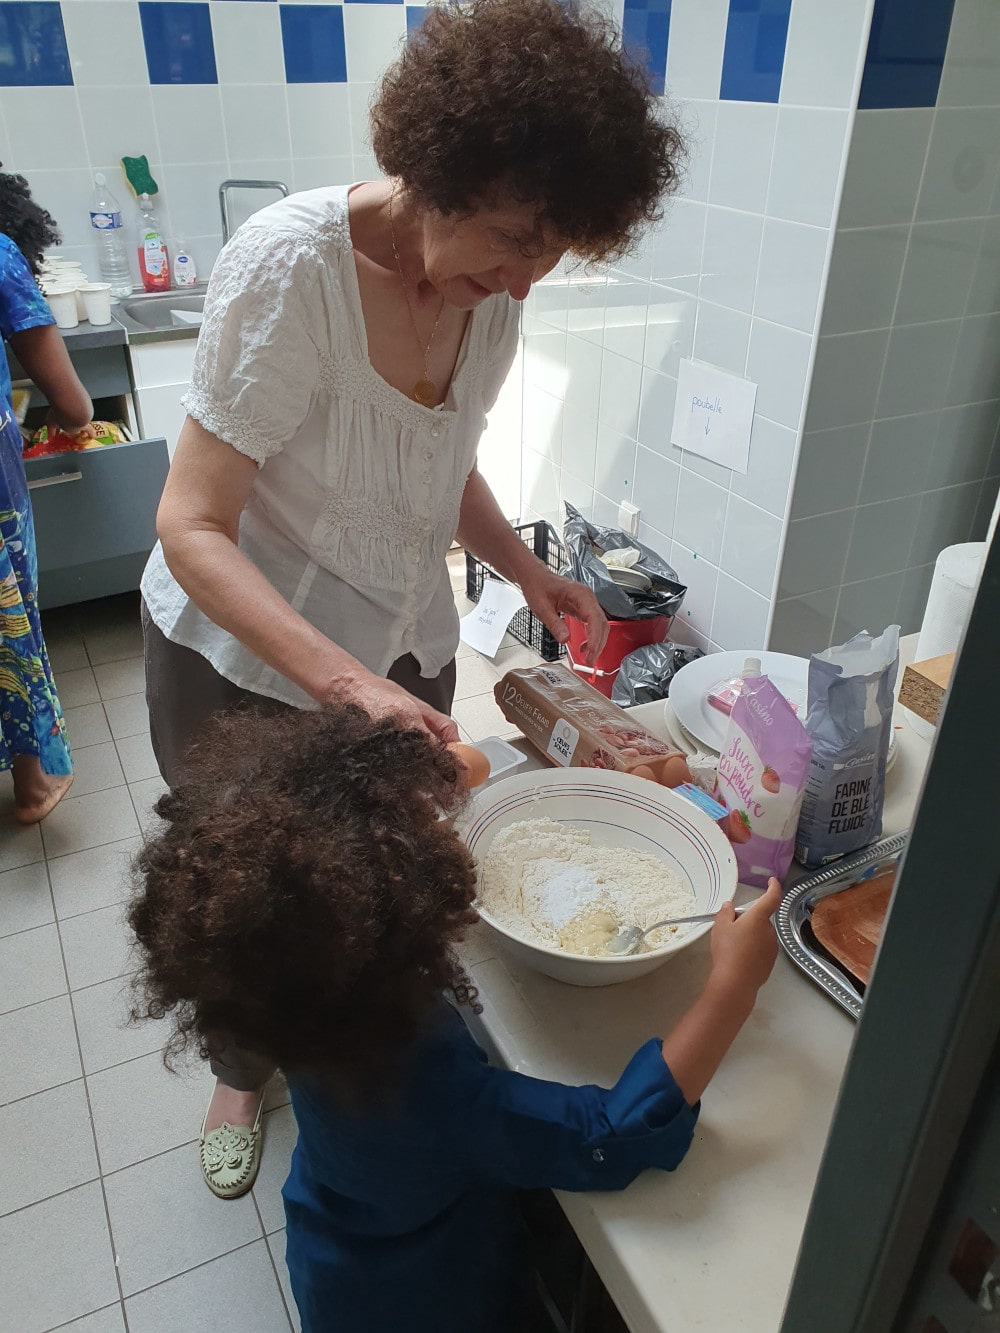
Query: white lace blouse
{"points": [[357, 497]]}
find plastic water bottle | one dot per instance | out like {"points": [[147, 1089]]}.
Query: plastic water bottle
{"points": [[106, 220]]}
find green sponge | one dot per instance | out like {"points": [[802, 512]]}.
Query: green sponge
{"points": [[138, 177]]}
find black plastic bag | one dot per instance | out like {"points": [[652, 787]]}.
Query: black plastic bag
{"points": [[646, 673], [585, 543]]}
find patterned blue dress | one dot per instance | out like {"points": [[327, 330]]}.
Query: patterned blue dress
{"points": [[31, 720]]}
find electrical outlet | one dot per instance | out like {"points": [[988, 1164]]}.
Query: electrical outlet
{"points": [[628, 518]]}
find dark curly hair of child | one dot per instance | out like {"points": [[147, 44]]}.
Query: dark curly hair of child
{"points": [[305, 892], [535, 99], [28, 225]]}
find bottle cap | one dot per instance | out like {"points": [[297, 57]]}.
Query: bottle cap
{"points": [[100, 178], [751, 668]]}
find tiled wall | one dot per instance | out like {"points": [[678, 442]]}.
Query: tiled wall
{"points": [[247, 88], [901, 453], [734, 276]]}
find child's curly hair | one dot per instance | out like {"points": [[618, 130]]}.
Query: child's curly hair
{"points": [[27, 224], [304, 894], [534, 98]]}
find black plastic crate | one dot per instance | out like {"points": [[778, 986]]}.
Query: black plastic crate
{"points": [[541, 538]]}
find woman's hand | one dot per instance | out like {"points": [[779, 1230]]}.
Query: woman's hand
{"points": [[744, 948], [551, 597], [379, 697]]}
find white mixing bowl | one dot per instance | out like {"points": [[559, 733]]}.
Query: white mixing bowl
{"points": [[618, 811]]}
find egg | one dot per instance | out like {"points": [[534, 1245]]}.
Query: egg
{"points": [[674, 771], [476, 764], [643, 771]]}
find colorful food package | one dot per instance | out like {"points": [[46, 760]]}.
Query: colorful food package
{"points": [[104, 432], [849, 720], [761, 778], [574, 725]]}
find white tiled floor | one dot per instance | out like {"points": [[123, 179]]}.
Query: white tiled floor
{"points": [[105, 1224]]}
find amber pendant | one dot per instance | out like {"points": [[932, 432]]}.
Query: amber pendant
{"points": [[425, 392]]}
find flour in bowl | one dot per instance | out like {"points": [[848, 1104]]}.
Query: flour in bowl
{"points": [[548, 884]]}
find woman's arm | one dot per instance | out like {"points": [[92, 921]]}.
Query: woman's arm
{"points": [[42, 353], [484, 531], [198, 521]]}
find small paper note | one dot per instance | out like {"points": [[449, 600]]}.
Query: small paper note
{"points": [[484, 627], [713, 414]]}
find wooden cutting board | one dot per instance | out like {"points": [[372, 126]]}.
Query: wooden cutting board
{"points": [[849, 924]]}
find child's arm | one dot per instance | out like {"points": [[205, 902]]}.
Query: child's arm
{"points": [[42, 353]]}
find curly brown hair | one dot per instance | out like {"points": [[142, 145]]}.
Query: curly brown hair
{"points": [[534, 99], [304, 894]]}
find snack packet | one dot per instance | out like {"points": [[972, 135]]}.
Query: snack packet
{"points": [[761, 778], [849, 719]]}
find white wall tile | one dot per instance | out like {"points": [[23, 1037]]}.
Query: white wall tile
{"points": [[696, 122], [189, 123], [677, 246], [863, 283], [872, 195], [579, 444], [696, 47], [193, 194], [976, 375], [621, 383], [729, 261], [984, 294], [778, 362], [831, 463], [545, 359], [804, 625], [360, 95], [946, 517], [43, 125], [104, 40], [740, 619], [899, 454], [869, 605], [585, 301], [627, 300], [917, 367], [256, 120], [583, 385], [111, 136], [542, 422], [722, 337], [964, 444], [701, 578], [319, 117], [540, 485], [700, 518], [66, 195], [962, 162], [614, 473], [881, 538], [655, 490], [744, 137], [846, 377], [750, 546], [314, 173], [656, 414], [807, 165], [790, 278], [815, 551], [373, 35], [772, 454], [971, 74], [247, 40], [670, 319], [937, 275], [824, 50]]}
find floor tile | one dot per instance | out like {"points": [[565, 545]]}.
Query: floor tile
{"points": [[141, 1109], [76, 687], [480, 717], [276, 1093], [96, 768], [127, 716], [87, 725], [276, 1244], [475, 675], [91, 879], [137, 757], [236, 1294], [66, 650], [80, 822], [144, 797], [164, 1220], [280, 1134], [25, 900], [20, 846], [516, 657], [45, 1285], [98, 946], [109, 1320], [115, 679], [106, 1036], [112, 643], [38, 1050], [48, 1146], [31, 968]]}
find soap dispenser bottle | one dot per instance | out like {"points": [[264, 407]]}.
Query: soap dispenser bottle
{"points": [[185, 273], [154, 264]]}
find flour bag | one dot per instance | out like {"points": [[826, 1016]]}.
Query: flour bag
{"points": [[849, 719], [761, 777]]}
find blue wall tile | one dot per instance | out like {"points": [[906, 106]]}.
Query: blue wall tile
{"points": [[415, 15], [33, 45], [645, 34], [178, 42], [755, 50], [906, 49], [313, 41]]}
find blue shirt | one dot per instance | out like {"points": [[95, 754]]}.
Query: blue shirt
{"points": [[402, 1218], [22, 305]]}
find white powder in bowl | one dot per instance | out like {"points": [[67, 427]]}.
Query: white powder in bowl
{"points": [[548, 884]]}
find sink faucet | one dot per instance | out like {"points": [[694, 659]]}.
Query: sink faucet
{"points": [[225, 188]]}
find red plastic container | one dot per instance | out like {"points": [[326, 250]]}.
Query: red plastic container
{"points": [[623, 637]]}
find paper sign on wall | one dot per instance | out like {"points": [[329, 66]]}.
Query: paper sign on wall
{"points": [[484, 627], [713, 414]]}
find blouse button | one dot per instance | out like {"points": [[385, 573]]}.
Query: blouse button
{"points": [[426, 478], [428, 456], [435, 431], [598, 1155]]}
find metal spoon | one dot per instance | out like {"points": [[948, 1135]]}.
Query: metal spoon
{"points": [[626, 939]]}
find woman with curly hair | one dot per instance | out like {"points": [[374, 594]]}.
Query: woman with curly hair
{"points": [[353, 341], [33, 742], [305, 896]]}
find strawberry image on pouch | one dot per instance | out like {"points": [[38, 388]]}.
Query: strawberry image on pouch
{"points": [[770, 780], [736, 826]]}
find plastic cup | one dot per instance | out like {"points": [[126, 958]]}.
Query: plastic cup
{"points": [[97, 301], [79, 282], [61, 297]]}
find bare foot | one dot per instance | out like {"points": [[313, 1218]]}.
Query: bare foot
{"points": [[36, 793], [239, 1108]]}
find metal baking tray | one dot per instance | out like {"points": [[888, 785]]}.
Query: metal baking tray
{"points": [[797, 905]]}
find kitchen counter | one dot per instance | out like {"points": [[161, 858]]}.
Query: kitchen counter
{"points": [[713, 1245]]}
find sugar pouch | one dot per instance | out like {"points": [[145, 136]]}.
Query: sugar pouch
{"points": [[849, 718], [761, 778]]}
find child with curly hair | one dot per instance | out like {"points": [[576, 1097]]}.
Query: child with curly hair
{"points": [[305, 894], [33, 740]]}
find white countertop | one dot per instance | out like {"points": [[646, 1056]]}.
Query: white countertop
{"points": [[713, 1245]]}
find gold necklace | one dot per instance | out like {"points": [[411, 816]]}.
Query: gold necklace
{"points": [[424, 391]]}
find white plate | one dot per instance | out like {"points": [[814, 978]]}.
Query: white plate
{"points": [[690, 687]]}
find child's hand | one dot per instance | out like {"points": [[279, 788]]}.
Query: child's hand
{"points": [[744, 948]]}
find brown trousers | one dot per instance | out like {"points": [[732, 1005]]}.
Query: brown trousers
{"points": [[183, 690]]}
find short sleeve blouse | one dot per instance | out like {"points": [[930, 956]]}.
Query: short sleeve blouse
{"points": [[357, 496], [22, 305]]}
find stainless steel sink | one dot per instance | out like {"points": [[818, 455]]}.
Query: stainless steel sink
{"points": [[154, 311]]}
